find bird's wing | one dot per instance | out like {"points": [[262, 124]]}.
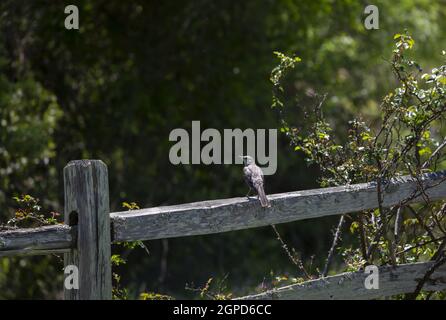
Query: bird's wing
{"points": [[247, 173], [256, 174]]}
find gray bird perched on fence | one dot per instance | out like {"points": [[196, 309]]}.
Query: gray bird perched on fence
{"points": [[254, 178]]}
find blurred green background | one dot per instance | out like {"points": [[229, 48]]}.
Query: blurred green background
{"points": [[135, 70]]}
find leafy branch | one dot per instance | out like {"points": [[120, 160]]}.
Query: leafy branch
{"points": [[406, 139]]}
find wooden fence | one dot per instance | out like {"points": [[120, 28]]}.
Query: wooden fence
{"points": [[89, 229]]}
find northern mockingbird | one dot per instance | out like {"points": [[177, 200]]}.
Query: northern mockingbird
{"points": [[254, 178]]}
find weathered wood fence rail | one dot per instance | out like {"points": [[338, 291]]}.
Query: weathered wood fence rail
{"points": [[90, 228]]}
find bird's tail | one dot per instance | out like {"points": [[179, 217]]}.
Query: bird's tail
{"points": [[262, 196]]}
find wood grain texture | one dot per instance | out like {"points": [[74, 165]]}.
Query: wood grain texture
{"points": [[34, 241], [86, 195], [239, 213], [350, 286]]}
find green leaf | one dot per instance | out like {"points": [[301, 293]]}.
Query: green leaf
{"points": [[116, 260], [354, 226], [425, 151]]}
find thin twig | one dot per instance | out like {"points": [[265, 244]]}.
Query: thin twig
{"points": [[297, 262], [434, 154], [333, 246], [420, 245], [429, 272]]}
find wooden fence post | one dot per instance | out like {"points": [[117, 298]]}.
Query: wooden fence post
{"points": [[87, 206]]}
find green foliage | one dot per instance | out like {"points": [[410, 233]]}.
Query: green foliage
{"points": [[406, 141], [18, 270], [408, 115], [278, 73], [115, 89], [118, 292], [28, 214], [28, 117], [130, 206], [116, 260], [212, 289], [154, 296]]}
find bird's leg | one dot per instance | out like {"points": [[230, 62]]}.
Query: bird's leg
{"points": [[249, 192]]}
